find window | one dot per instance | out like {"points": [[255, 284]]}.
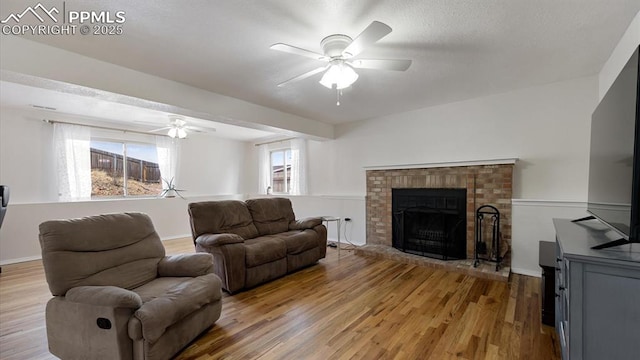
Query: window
{"points": [[124, 169], [281, 171]]}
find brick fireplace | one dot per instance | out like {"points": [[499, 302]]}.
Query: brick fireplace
{"points": [[486, 183]]}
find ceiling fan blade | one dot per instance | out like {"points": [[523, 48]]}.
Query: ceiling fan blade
{"points": [[304, 76], [298, 51], [149, 123], [160, 129], [374, 32], [378, 64], [200, 129]]}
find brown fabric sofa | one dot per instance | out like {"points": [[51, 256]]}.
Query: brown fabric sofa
{"points": [[116, 294], [255, 241]]}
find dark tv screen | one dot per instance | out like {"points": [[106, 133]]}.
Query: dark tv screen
{"points": [[613, 148]]}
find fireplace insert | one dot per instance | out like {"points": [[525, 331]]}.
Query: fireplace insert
{"points": [[430, 222]]}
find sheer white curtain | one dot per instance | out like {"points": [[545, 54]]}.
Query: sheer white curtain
{"points": [[168, 154], [264, 173], [298, 167], [72, 150]]}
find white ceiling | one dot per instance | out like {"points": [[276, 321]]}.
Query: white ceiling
{"points": [[461, 49]]}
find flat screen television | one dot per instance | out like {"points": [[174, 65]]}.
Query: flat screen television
{"points": [[614, 162]]}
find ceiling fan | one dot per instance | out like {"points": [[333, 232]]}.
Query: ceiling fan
{"points": [[177, 128], [339, 52]]}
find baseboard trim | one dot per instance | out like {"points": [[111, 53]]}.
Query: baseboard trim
{"points": [[175, 237], [20, 260], [526, 272]]}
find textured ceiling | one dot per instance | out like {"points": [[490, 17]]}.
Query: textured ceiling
{"points": [[460, 49]]}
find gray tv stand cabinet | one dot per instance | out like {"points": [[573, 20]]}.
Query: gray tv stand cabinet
{"points": [[597, 293]]}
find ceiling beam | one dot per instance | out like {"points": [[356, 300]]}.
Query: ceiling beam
{"points": [[25, 61]]}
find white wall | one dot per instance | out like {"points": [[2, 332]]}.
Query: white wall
{"points": [[620, 55], [545, 127], [352, 207], [212, 165], [25, 157], [210, 168]]}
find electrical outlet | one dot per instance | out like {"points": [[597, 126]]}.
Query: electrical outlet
{"points": [[347, 219]]}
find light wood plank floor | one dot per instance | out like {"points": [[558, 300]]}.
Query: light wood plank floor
{"points": [[350, 307]]}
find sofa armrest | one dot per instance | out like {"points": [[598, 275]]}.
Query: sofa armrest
{"points": [[186, 265], [210, 240], [110, 296], [175, 306], [228, 252], [306, 223]]}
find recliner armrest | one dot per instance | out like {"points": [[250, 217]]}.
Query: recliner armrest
{"points": [[184, 265], [306, 223], [210, 240], [111, 296]]}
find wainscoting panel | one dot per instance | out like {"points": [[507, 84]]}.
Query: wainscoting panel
{"points": [[532, 222]]}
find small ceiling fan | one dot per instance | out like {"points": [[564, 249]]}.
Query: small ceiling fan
{"points": [[339, 52], [177, 128]]}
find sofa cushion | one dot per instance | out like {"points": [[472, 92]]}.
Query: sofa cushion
{"points": [[168, 300], [271, 215], [263, 249], [217, 217], [299, 241]]}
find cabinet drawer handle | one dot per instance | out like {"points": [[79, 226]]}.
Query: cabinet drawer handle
{"points": [[559, 259], [561, 288]]}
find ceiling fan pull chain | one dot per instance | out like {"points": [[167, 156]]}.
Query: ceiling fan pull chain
{"points": [[338, 93]]}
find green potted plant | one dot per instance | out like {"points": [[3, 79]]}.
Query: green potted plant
{"points": [[170, 190]]}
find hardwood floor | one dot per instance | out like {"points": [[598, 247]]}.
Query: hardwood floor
{"points": [[350, 307]]}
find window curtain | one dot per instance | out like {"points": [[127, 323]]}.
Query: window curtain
{"points": [[298, 167], [264, 173], [168, 154], [72, 149]]}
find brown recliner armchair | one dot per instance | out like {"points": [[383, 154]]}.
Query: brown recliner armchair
{"points": [[116, 294]]}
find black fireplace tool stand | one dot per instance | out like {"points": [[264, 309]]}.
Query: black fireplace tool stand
{"points": [[481, 251]]}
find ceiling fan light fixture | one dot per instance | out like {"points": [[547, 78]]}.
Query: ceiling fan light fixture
{"points": [[177, 132], [177, 125], [339, 75]]}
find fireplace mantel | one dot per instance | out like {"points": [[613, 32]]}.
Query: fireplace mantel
{"points": [[507, 161]]}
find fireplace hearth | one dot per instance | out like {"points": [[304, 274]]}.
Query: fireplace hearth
{"points": [[430, 222]]}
